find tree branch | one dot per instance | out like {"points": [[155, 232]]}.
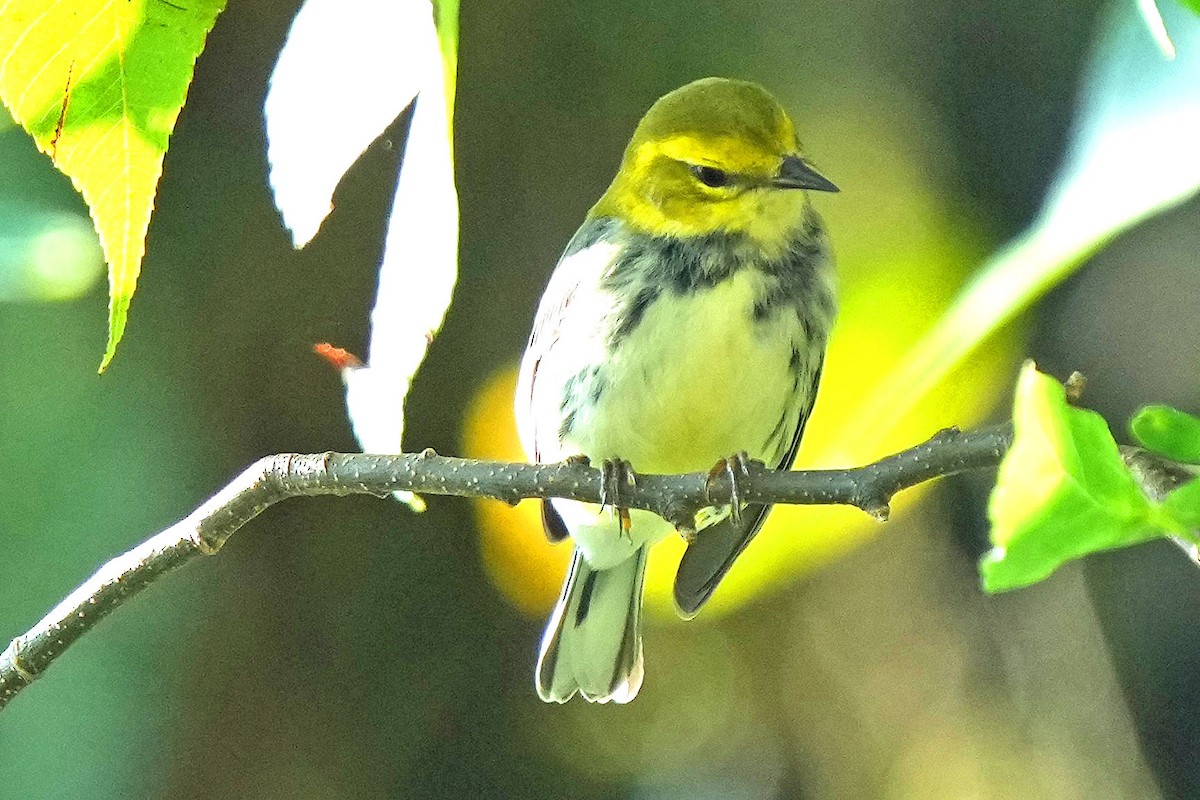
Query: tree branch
{"points": [[677, 498]]}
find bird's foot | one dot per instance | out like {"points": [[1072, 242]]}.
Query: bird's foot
{"points": [[735, 467], [615, 474]]}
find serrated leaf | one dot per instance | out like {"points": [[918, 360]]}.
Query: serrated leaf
{"points": [[1168, 431], [1132, 154], [1062, 491], [99, 85]]}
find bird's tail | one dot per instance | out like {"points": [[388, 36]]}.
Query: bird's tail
{"points": [[593, 642]]}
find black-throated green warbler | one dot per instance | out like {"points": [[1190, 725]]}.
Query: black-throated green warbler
{"points": [[685, 324]]}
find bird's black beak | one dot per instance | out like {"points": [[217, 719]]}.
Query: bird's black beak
{"points": [[795, 174]]}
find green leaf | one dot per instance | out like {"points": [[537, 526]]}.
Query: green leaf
{"points": [[1194, 5], [99, 85], [1183, 505], [1168, 431], [1062, 491], [1137, 110]]}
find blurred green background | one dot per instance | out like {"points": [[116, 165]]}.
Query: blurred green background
{"points": [[347, 648]]}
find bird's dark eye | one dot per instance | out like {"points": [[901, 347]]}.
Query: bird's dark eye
{"points": [[711, 176]]}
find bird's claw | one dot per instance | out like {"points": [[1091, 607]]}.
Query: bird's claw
{"points": [[735, 467], [616, 473]]}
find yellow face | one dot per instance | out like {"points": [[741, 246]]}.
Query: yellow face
{"points": [[714, 156]]}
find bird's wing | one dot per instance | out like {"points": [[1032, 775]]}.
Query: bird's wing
{"points": [[552, 523], [553, 312], [545, 333], [710, 556]]}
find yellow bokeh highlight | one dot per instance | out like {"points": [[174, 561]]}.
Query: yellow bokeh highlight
{"points": [[518, 557], [903, 252], [46, 255]]}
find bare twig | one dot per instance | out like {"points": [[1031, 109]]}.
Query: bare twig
{"points": [[674, 497]]}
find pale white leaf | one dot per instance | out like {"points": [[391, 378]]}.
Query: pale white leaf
{"points": [[420, 264], [348, 68]]}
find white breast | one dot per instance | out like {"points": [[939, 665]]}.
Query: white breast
{"points": [[697, 380]]}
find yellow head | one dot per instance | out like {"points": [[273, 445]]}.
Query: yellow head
{"points": [[716, 155]]}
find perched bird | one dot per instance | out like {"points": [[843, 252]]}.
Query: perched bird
{"points": [[684, 327]]}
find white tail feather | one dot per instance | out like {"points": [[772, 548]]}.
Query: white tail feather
{"points": [[593, 642]]}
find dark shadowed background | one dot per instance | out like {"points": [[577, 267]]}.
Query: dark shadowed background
{"points": [[346, 648]]}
